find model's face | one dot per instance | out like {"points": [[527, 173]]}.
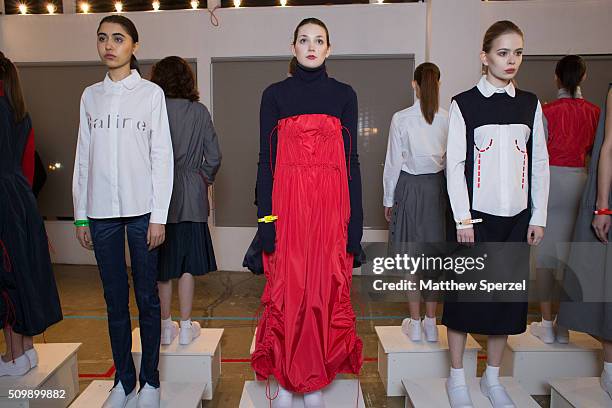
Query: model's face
{"points": [[504, 58], [115, 46], [311, 47]]}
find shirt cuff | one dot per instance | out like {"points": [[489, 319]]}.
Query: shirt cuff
{"points": [[460, 227], [388, 201], [80, 215], [538, 218], [158, 216]]}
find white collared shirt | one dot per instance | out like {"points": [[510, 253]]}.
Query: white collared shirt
{"points": [[414, 146], [501, 187], [124, 163]]}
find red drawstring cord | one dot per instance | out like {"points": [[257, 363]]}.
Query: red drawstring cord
{"points": [[270, 142], [268, 396], [349, 152]]}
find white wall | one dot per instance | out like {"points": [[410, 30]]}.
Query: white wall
{"points": [[448, 32]]}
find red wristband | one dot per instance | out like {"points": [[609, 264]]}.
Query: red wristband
{"points": [[603, 211]]}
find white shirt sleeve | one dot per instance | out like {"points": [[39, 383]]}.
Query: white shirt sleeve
{"points": [[455, 165], [393, 164], [540, 172], [81, 166], [162, 160]]}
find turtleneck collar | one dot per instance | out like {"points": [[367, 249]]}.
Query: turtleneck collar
{"points": [[310, 74]]}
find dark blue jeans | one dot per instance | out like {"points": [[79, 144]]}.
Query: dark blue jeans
{"points": [[108, 237]]}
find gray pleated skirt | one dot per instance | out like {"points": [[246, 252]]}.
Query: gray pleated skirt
{"points": [[420, 210], [566, 187]]}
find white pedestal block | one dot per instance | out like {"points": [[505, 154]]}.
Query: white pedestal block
{"points": [[198, 362], [578, 393], [339, 394], [431, 393], [400, 358], [534, 363], [173, 395], [57, 370]]}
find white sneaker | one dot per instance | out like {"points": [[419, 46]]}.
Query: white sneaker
{"points": [[458, 396], [169, 331], [117, 397], [606, 383], [32, 356], [314, 399], [496, 394], [148, 397], [187, 334], [284, 398], [431, 331], [546, 334], [16, 367], [412, 329], [561, 333]]}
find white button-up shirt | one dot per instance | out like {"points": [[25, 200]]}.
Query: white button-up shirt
{"points": [[414, 146], [124, 163], [501, 186]]}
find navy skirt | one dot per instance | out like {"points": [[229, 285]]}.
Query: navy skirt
{"points": [[187, 249]]}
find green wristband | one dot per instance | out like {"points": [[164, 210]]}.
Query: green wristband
{"points": [[82, 223]]}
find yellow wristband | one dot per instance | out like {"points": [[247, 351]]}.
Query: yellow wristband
{"points": [[268, 218]]}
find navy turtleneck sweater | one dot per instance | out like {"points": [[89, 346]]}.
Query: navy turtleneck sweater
{"points": [[309, 91]]}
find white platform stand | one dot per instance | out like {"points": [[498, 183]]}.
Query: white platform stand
{"points": [[173, 395], [431, 393], [399, 358], [339, 394], [534, 363], [578, 392], [198, 362], [57, 370]]}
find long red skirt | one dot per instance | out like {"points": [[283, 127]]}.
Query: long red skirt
{"points": [[306, 334]]}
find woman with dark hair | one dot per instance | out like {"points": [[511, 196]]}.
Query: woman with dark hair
{"points": [[413, 175], [572, 122], [122, 183], [590, 258], [497, 169], [310, 223], [188, 250], [29, 302]]}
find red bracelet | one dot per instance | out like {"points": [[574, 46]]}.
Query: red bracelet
{"points": [[603, 211]]}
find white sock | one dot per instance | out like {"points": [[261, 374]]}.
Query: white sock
{"points": [[185, 324], [547, 323], [492, 374], [167, 322], [413, 321], [457, 377], [608, 369], [314, 399], [430, 320]]}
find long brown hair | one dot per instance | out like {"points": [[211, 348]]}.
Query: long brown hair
{"points": [[427, 76], [11, 86], [496, 30]]}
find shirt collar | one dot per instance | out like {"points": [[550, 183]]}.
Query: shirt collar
{"points": [[487, 89], [129, 82], [564, 93]]}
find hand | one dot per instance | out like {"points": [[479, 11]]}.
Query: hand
{"points": [[83, 235], [156, 235], [388, 211], [601, 225], [535, 234], [465, 236]]}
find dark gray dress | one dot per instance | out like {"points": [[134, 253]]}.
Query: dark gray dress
{"points": [[588, 276], [188, 246]]}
